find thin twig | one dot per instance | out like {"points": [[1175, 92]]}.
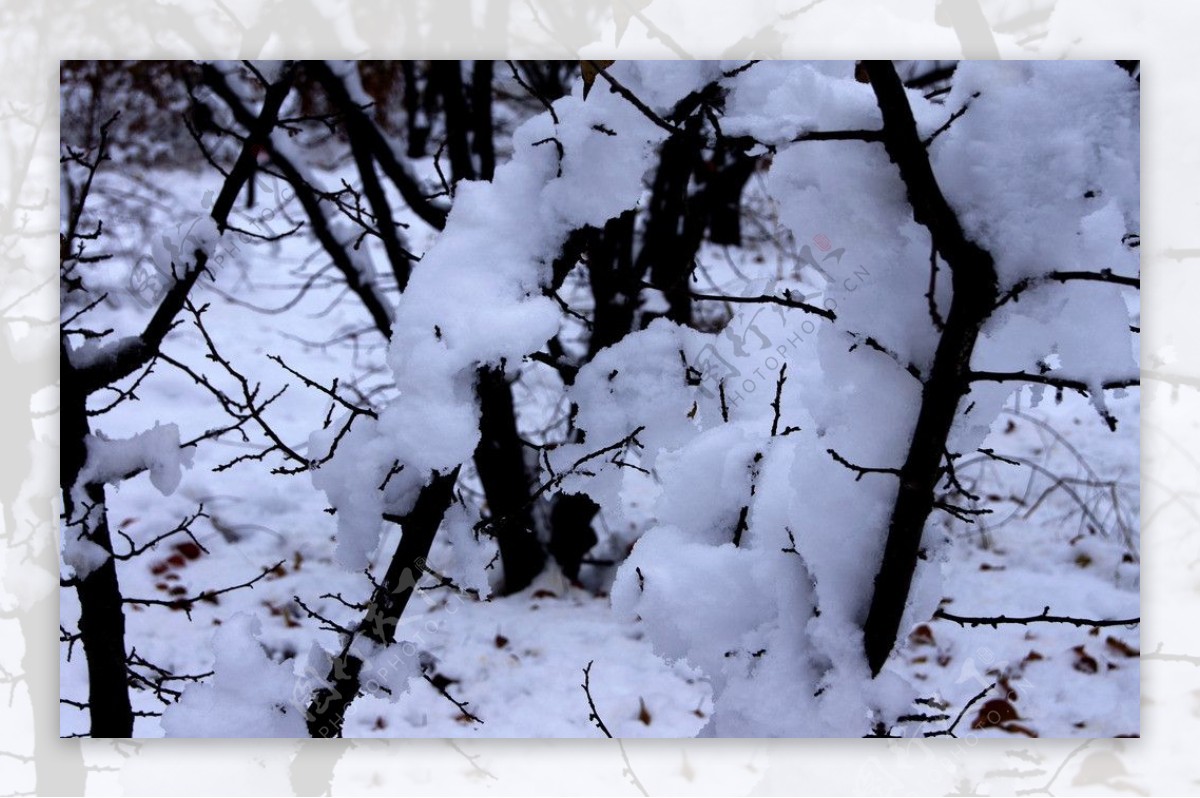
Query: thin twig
{"points": [[949, 730], [1045, 617], [777, 404], [462, 705], [587, 690], [633, 99], [862, 470], [186, 604]]}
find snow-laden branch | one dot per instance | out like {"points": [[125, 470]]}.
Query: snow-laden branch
{"points": [[381, 620], [1090, 389]]}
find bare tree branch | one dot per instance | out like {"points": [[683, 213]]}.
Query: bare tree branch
{"points": [[594, 714], [1044, 617]]}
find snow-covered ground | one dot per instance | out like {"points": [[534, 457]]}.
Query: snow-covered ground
{"points": [[1063, 534], [1076, 554]]}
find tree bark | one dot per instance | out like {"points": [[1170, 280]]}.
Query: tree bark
{"points": [[500, 461], [730, 171], [101, 608], [676, 222], [482, 133], [448, 77], [414, 112], [327, 711], [974, 281], [616, 282], [662, 247]]}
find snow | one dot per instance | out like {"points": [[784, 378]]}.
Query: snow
{"points": [[80, 555], [1020, 163], [352, 485], [761, 637], [660, 84], [156, 450], [248, 695], [776, 101], [111, 462], [464, 552], [175, 250], [474, 299], [518, 663]]}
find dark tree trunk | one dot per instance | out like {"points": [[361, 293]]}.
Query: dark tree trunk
{"points": [[676, 222], [102, 632], [571, 533], [973, 276], [616, 287], [730, 171], [101, 608], [500, 461], [327, 711], [414, 110], [500, 457], [616, 282], [447, 76], [482, 134]]}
